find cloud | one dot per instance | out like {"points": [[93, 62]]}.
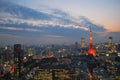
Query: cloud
{"points": [[5, 35], [103, 34], [54, 36], [37, 23], [25, 29]]}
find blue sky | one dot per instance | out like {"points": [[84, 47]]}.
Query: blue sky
{"points": [[103, 12], [100, 12]]}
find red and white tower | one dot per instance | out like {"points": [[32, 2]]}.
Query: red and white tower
{"points": [[91, 49]]}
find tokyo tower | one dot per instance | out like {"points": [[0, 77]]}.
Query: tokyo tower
{"points": [[91, 49]]}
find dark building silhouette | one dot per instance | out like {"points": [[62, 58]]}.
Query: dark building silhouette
{"points": [[118, 47], [18, 60]]}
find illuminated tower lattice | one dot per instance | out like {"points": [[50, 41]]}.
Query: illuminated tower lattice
{"points": [[91, 49]]}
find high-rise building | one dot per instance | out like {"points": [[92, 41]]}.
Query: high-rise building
{"points": [[30, 52], [6, 54], [82, 43], [18, 60], [110, 41], [91, 49], [118, 47], [76, 45], [114, 48]]}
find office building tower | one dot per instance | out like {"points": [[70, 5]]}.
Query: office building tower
{"points": [[30, 52], [76, 45], [18, 60], [110, 41], [82, 43]]}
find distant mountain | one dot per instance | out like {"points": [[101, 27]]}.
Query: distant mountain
{"points": [[19, 20]]}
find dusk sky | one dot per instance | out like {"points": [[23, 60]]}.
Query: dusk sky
{"points": [[103, 12], [58, 21]]}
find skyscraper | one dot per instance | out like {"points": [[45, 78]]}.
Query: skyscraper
{"points": [[110, 41], [82, 43], [76, 45], [18, 57], [91, 49], [30, 52]]}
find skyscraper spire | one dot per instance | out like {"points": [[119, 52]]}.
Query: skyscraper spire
{"points": [[91, 49]]}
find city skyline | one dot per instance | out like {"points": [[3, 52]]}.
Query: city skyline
{"points": [[59, 40]]}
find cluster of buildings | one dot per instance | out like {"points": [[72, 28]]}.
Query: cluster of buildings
{"points": [[61, 62]]}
